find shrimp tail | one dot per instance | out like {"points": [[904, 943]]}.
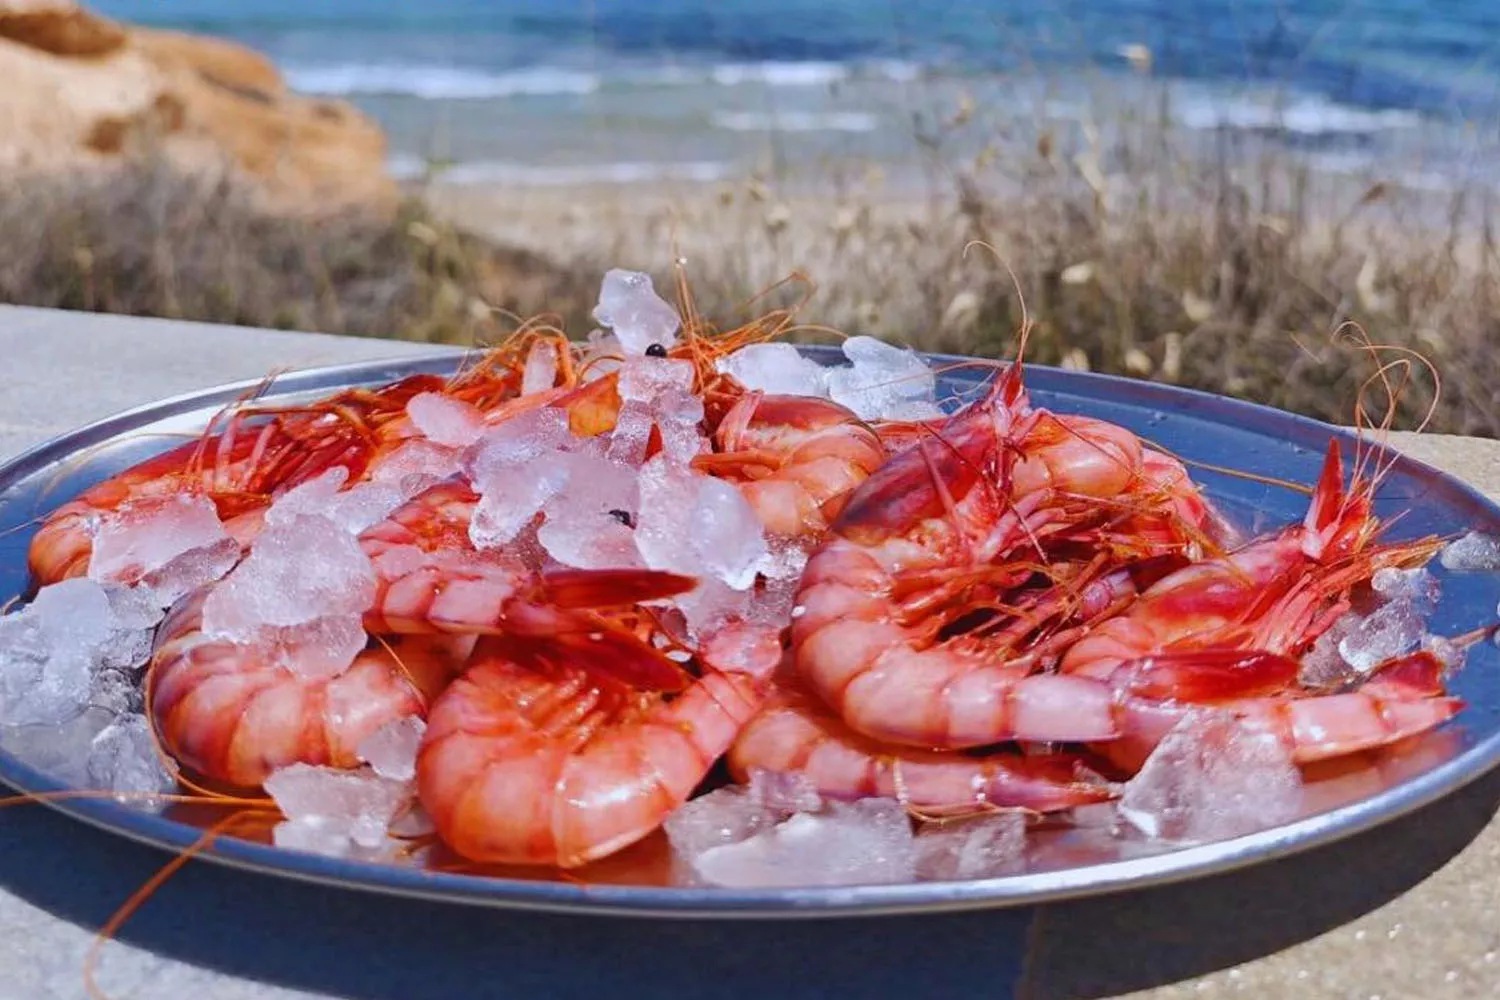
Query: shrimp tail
{"points": [[1337, 520], [1206, 675], [603, 588]]}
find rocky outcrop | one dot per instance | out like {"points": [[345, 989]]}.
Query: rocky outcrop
{"points": [[81, 90]]}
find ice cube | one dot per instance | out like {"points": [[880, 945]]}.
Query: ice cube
{"points": [[510, 498], [779, 369], [1415, 585], [416, 465], [297, 571], [982, 847], [59, 750], [50, 651], [1474, 552], [353, 509], [171, 544], [783, 793], [647, 379], [629, 305], [722, 816], [590, 523], [359, 801], [518, 440], [1211, 778], [884, 382], [540, 372], [323, 647], [868, 842], [727, 534], [667, 492], [315, 835], [391, 750], [124, 758], [444, 420], [1390, 631], [632, 433]]}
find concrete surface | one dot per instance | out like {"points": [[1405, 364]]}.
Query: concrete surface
{"points": [[1405, 911]]}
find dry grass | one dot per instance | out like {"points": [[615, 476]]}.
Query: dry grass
{"points": [[152, 242], [1135, 257]]}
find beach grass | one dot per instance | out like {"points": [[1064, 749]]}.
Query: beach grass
{"points": [[1233, 272]]}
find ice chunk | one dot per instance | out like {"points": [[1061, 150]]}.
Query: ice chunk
{"points": [[510, 498], [444, 420], [123, 758], [301, 591], [884, 382], [391, 750], [722, 816], [330, 811], [629, 305], [59, 750], [783, 793], [632, 433], [1448, 653], [517, 441], [648, 379], [167, 545], [590, 524], [982, 847], [1474, 552], [296, 572], [1415, 585], [779, 369], [1391, 630], [50, 651], [540, 373], [353, 509], [868, 842], [416, 465], [1323, 666], [726, 533], [1211, 778]]}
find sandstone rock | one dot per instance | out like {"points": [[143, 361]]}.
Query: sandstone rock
{"points": [[60, 27], [82, 91]]}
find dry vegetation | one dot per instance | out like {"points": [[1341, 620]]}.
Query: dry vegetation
{"points": [[1134, 259]]}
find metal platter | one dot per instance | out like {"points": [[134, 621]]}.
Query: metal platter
{"points": [[1199, 427]]}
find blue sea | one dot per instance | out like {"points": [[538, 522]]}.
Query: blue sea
{"points": [[559, 91]]}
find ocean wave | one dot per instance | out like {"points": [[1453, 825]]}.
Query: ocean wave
{"points": [[1306, 115], [811, 73], [625, 172], [437, 82], [796, 121]]}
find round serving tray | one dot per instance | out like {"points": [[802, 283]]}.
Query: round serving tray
{"points": [[1197, 426]]}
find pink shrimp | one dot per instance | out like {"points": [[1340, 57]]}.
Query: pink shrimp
{"points": [[797, 734], [936, 527], [232, 714], [795, 459], [535, 757]]}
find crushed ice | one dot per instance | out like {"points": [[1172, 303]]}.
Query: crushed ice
{"points": [[168, 546], [1360, 641], [301, 591], [980, 847], [339, 813], [1474, 552], [779, 832], [1213, 777], [629, 305], [881, 381]]}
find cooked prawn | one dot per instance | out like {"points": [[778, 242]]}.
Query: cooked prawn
{"points": [[796, 733], [534, 756]]}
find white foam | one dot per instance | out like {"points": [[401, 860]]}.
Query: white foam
{"points": [[796, 121], [773, 73], [436, 82]]}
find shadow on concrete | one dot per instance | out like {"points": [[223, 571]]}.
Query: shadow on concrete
{"points": [[358, 945], [1107, 947]]}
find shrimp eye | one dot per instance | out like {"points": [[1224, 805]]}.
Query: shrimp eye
{"points": [[656, 351], [623, 516]]}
